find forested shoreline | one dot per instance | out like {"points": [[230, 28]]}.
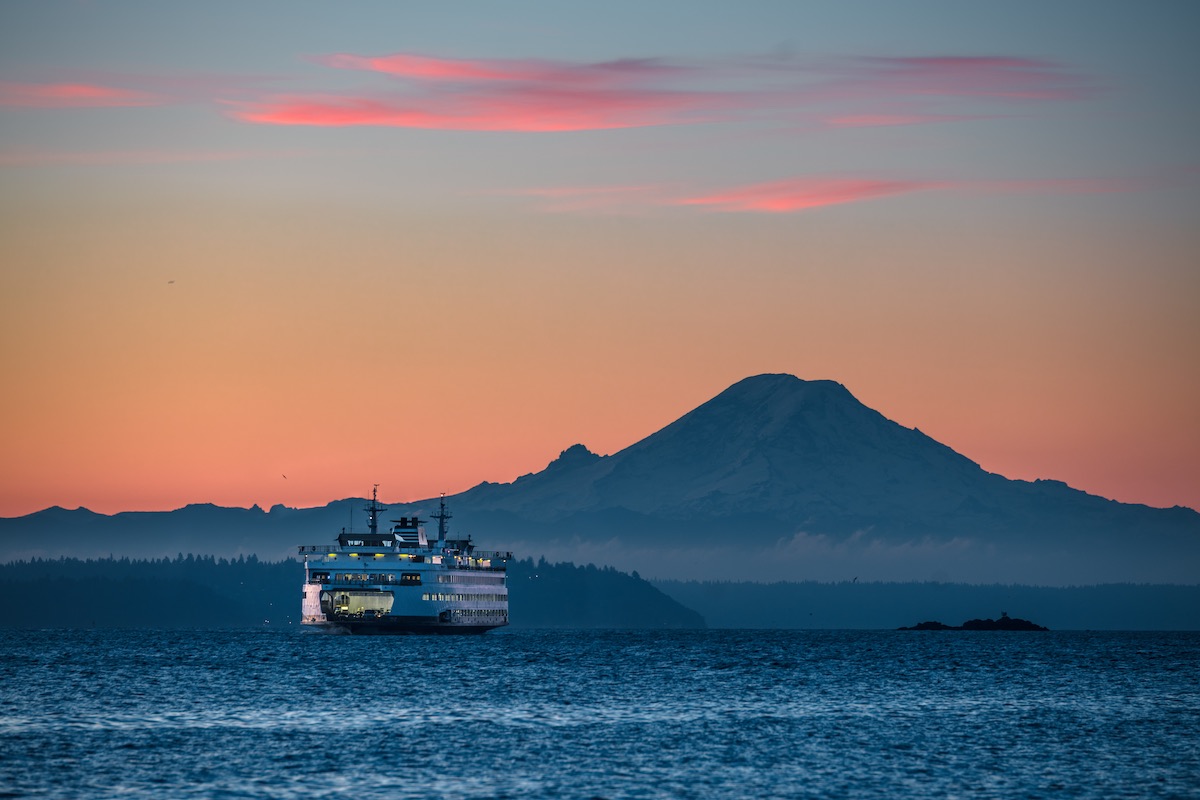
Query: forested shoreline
{"points": [[191, 591], [203, 591]]}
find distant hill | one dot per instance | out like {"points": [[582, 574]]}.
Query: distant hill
{"points": [[544, 595], [776, 478]]}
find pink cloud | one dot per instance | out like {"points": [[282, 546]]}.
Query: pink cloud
{"points": [[528, 95], [525, 108], [806, 193], [800, 194], [547, 95], [428, 68], [70, 95]]}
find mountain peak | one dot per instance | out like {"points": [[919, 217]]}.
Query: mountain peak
{"points": [[771, 407], [773, 444], [778, 379], [758, 388]]}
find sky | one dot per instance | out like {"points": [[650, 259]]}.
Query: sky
{"points": [[278, 252]]}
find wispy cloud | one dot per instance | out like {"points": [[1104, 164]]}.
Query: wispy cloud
{"points": [[806, 193], [791, 195], [538, 95], [527, 95], [527, 109], [992, 77], [71, 95], [429, 68], [801, 194]]}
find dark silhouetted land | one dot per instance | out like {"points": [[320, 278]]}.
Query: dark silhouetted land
{"points": [[207, 592], [1004, 623]]}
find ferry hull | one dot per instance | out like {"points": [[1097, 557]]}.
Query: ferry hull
{"points": [[391, 626]]}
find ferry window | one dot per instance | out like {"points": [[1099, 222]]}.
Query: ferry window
{"points": [[410, 578]]}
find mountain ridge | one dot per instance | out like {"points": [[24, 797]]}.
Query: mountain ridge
{"points": [[774, 478]]}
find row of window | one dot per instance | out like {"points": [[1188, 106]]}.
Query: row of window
{"points": [[403, 578], [413, 557], [493, 580], [467, 598]]}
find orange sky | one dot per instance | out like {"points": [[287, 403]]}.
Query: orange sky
{"points": [[207, 282], [429, 360]]}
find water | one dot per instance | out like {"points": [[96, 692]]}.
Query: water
{"points": [[578, 714]]}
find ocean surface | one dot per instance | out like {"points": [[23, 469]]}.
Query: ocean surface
{"points": [[287, 713]]}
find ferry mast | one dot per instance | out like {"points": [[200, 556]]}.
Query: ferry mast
{"points": [[373, 510], [441, 517]]}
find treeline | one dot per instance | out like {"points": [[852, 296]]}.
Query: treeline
{"points": [[853, 604], [545, 595], [202, 591], [181, 567], [184, 592]]}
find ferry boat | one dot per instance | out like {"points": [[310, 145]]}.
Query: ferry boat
{"points": [[400, 581]]}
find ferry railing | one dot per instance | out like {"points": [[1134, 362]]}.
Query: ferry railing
{"points": [[478, 555]]}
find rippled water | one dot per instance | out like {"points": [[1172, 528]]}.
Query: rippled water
{"points": [[599, 714]]}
